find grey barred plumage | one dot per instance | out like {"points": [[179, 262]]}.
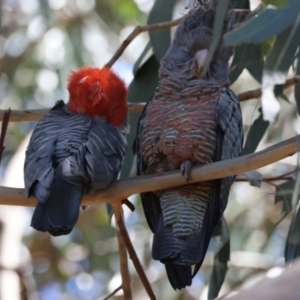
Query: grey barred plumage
{"points": [[69, 154], [190, 121]]}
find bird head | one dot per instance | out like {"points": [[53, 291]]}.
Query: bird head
{"points": [[193, 39], [98, 92]]}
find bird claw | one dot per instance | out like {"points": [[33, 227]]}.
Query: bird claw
{"points": [[128, 204], [186, 169]]}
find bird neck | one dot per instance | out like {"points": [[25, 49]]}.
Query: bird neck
{"points": [[177, 81]]}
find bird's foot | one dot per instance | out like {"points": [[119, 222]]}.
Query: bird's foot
{"points": [[128, 204], [186, 169]]}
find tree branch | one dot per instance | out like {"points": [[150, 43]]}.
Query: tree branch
{"points": [[123, 258], [132, 254], [284, 286], [137, 30], [122, 189], [158, 26], [37, 114], [257, 93], [113, 293], [3, 130]]}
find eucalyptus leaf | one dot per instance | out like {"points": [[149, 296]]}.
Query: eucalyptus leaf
{"points": [[140, 60], [284, 194], [254, 177], [221, 13], [275, 2], [297, 86], [256, 29], [246, 54], [278, 62], [256, 70], [221, 258], [292, 245], [255, 134], [281, 55], [241, 4], [162, 11]]}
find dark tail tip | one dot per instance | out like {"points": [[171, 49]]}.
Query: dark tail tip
{"points": [[179, 276], [60, 213]]}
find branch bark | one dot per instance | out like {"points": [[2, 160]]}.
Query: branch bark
{"points": [[157, 26], [5, 122], [113, 293], [122, 189], [137, 30], [37, 114], [257, 93], [28, 115], [132, 254], [123, 258], [284, 286]]}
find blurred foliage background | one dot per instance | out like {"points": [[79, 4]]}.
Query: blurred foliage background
{"points": [[40, 42]]}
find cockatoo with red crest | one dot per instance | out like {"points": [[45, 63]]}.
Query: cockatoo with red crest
{"points": [[76, 148]]}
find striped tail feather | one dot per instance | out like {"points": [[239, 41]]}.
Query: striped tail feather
{"points": [[179, 254], [60, 213], [179, 276]]}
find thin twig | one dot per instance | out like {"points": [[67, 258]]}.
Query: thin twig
{"points": [[137, 30], [132, 254], [284, 176], [113, 293], [257, 93], [37, 114], [123, 259], [28, 115], [158, 26], [3, 131]]}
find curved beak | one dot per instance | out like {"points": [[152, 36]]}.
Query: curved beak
{"points": [[200, 58]]}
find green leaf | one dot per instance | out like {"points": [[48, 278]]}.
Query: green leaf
{"points": [[139, 61], [162, 11], [265, 23], [141, 89], [254, 178], [256, 70], [266, 46], [221, 258], [292, 244], [221, 13], [297, 86], [277, 3], [234, 75], [284, 194], [281, 55], [278, 62], [255, 134], [278, 91], [247, 56], [241, 4]]}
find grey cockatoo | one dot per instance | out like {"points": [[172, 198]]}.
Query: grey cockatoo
{"points": [[191, 120], [77, 147]]}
